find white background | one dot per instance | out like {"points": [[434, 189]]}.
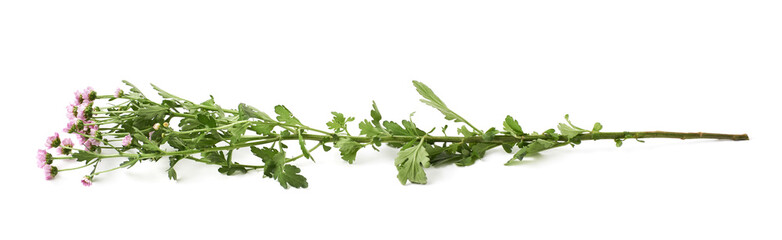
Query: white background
{"points": [[677, 65]]}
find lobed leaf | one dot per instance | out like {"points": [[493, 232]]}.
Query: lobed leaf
{"points": [[410, 163], [285, 115]]}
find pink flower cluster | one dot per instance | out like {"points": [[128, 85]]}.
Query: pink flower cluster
{"points": [[79, 114], [81, 108]]}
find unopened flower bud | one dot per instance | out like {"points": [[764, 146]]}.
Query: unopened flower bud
{"points": [[165, 124], [156, 126]]}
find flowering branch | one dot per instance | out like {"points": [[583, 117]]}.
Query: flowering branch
{"points": [[139, 129]]}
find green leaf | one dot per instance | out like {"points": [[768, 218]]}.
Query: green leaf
{"points": [[375, 115], [141, 137], [534, 147], [207, 120], [265, 154], [177, 143], [432, 100], [237, 131], [410, 163], [369, 130], [303, 145], [129, 163], [84, 155], [395, 129], [232, 170], [597, 127], [163, 93], [254, 113], [412, 129], [512, 126], [285, 115], [215, 157], [287, 175], [290, 177], [465, 132], [507, 147], [477, 151], [568, 131], [151, 147], [339, 122], [262, 128], [489, 134], [133, 88], [172, 174], [348, 149], [150, 114]]}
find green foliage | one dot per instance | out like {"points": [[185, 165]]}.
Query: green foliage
{"points": [[512, 126], [254, 113], [395, 129], [133, 88], [84, 156], [376, 117], [276, 167], [432, 100], [339, 122], [285, 115], [489, 134], [303, 145], [597, 127], [476, 152], [263, 129], [163, 93], [410, 163], [569, 131], [348, 149], [534, 147], [177, 143], [207, 120], [369, 130]]}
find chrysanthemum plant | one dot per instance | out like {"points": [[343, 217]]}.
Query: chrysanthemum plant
{"points": [[130, 126]]}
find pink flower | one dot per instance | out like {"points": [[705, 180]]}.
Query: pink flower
{"points": [[71, 127], [71, 111], [80, 112], [89, 94], [87, 127], [127, 140], [86, 181], [65, 147], [118, 93], [82, 139], [91, 143], [43, 157], [49, 171], [87, 144], [84, 112], [53, 141], [79, 97]]}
